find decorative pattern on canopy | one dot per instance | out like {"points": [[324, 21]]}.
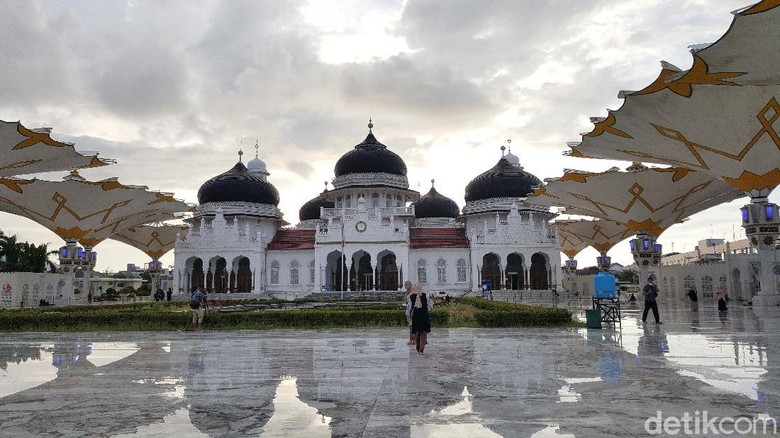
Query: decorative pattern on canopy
{"points": [[155, 241], [25, 151], [602, 235], [721, 116], [85, 211], [645, 200]]}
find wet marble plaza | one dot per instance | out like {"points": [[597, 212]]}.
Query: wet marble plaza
{"points": [[536, 382]]}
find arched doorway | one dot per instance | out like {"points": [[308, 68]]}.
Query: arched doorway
{"points": [[196, 280], [515, 272], [491, 270], [335, 272], [244, 276], [388, 271], [538, 272], [221, 276], [364, 275]]}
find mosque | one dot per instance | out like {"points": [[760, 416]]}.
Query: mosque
{"points": [[370, 232]]}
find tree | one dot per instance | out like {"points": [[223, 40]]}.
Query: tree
{"points": [[22, 256], [626, 276]]}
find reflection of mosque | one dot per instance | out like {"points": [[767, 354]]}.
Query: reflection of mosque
{"points": [[370, 232]]}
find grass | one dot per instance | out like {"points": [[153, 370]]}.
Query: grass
{"points": [[164, 316]]}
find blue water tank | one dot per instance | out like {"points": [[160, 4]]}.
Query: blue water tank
{"points": [[604, 285]]}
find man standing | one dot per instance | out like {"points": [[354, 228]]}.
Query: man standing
{"points": [[198, 306], [651, 293]]}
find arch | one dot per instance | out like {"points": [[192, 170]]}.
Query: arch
{"points": [[244, 275], [515, 272], [362, 273], [422, 271], [274, 272], [196, 274], [491, 269], [462, 271], [335, 272], [295, 272], [388, 270], [689, 283], [221, 277], [441, 271], [706, 287], [538, 272]]}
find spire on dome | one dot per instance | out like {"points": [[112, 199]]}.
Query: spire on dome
{"points": [[370, 125], [257, 148], [432, 182], [512, 158], [240, 153]]}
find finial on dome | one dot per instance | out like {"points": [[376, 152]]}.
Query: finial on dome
{"points": [[326, 186], [240, 153], [509, 144], [432, 181], [503, 148], [370, 124], [257, 148]]}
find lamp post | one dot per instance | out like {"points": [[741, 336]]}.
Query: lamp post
{"points": [[646, 253], [603, 261], [762, 227]]}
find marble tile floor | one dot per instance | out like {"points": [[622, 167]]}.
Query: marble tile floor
{"points": [[540, 382]]}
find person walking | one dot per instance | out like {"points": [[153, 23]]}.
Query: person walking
{"points": [[651, 294], [421, 320], [408, 305], [720, 294], [198, 306], [694, 300]]}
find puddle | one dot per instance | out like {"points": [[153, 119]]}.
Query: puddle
{"points": [[551, 431], [567, 395], [104, 353], [25, 367], [175, 424], [293, 417]]}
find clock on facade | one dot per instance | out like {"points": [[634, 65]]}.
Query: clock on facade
{"points": [[361, 226]]}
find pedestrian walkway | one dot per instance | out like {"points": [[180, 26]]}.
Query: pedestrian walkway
{"points": [[535, 382]]}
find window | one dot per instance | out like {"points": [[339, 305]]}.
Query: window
{"points": [[274, 272], [339, 202], [422, 276], [441, 271], [294, 270], [389, 201], [348, 201], [375, 200], [461, 271]]}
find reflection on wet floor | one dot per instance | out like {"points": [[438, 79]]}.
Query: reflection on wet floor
{"points": [[537, 382]]}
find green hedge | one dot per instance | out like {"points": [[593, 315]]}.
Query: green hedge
{"points": [[471, 312]]}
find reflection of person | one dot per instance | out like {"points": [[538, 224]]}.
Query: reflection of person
{"points": [[694, 300], [408, 307], [198, 306], [651, 293], [421, 320], [652, 343], [720, 294]]}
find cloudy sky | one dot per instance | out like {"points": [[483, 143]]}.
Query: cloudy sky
{"points": [[173, 89]]}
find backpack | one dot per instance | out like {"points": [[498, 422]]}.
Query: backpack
{"points": [[195, 301]]}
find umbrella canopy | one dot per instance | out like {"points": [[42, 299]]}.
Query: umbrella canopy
{"points": [[25, 151], [721, 116], [602, 235], [155, 241], [85, 211], [645, 199]]}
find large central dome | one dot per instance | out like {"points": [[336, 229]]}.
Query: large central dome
{"points": [[370, 156], [503, 180], [238, 185]]}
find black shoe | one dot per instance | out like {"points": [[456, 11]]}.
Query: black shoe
{"points": [[658, 322]]}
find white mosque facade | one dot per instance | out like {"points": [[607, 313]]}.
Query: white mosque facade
{"points": [[369, 233]]}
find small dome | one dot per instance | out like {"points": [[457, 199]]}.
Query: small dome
{"points": [[256, 165], [370, 156], [502, 181], [434, 204], [512, 158], [311, 209], [238, 185]]}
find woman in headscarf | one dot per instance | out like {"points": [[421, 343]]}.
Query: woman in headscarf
{"points": [[421, 320]]}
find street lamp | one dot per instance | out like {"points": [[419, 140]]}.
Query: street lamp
{"points": [[646, 253]]}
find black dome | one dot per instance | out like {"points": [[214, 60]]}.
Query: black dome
{"points": [[502, 181], [311, 209], [370, 156], [238, 185], [434, 204]]}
